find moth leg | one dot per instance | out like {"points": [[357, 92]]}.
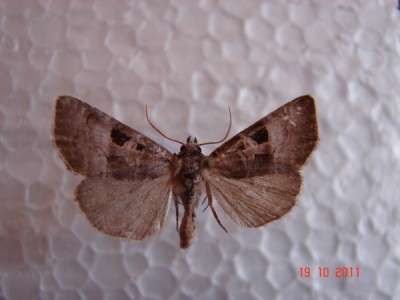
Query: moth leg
{"points": [[210, 204], [202, 203], [204, 200], [176, 211]]}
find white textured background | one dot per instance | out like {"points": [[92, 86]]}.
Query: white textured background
{"points": [[189, 60]]}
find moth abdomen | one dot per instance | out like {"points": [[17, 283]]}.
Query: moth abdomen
{"points": [[187, 229]]}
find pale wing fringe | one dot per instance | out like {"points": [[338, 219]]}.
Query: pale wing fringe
{"points": [[122, 208], [255, 201]]}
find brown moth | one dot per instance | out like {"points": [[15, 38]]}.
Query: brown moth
{"points": [[254, 176]]}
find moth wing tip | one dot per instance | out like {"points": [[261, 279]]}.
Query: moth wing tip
{"points": [[307, 97]]}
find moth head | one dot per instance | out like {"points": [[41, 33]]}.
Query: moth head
{"points": [[189, 140], [190, 146]]}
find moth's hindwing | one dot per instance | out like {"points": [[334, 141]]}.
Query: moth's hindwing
{"points": [[124, 208]]}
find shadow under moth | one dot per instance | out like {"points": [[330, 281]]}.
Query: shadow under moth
{"points": [[130, 179]]}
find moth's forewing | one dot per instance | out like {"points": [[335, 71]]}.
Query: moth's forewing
{"points": [[280, 142], [254, 175], [92, 144], [126, 193]]}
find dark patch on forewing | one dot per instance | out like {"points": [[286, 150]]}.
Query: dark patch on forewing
{"points": [[256, 125], [241, 146], [260, 136], [140, 147], [119, 137]]}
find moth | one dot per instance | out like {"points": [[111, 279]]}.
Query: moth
{"points": [[130, 179]]}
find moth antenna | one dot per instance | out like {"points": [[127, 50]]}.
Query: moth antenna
{"points": [[227, 133], [159, 131]]}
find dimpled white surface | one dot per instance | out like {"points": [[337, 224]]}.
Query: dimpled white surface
{"points": [[189, 60]]}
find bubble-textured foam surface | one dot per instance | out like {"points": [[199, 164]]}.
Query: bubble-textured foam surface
{"points": [[189, 60]]}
